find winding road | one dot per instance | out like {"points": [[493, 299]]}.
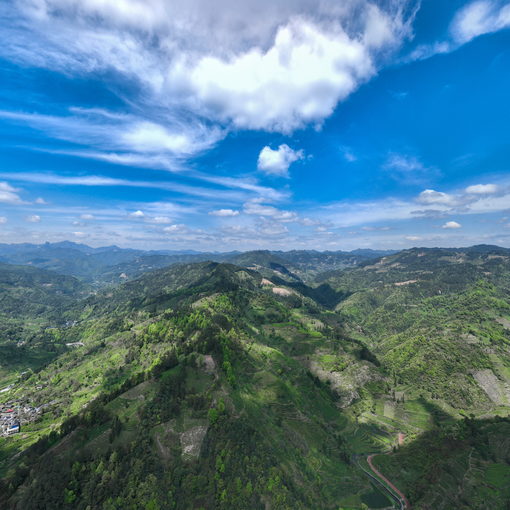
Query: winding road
{"points": [[383, 482], [404, 503]]}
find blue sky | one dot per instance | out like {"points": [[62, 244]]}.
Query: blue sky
{"points": [[257, 124]]}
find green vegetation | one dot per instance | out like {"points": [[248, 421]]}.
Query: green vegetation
{"points": [[205, 386]]}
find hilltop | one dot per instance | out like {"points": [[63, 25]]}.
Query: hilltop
{"points": [[221, 385]]}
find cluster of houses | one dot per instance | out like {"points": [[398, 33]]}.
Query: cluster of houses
{"points": [[14, 414]]}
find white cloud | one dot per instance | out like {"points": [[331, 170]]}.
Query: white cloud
{"points": [[254, 207], [207, 193], [79, 234], [266, 65], [375, 229], [34, 218], [404, 163], [478, 18], [224, 213], [176, 229], [3, 220], [433, 197], [124, 139], [277, 162], [41, 201], [348, 154], [272, 229], [8, 194], [408, 168], [413, 238], [482, 189], [161, 220], [470, 21], [146, 136], [87, 217], [137, 214], [300, 79], [451, 225]]}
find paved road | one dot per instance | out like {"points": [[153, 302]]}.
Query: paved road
{"points": [[403, 500]]}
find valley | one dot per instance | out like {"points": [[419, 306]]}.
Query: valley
{"points": [[256, 385]]}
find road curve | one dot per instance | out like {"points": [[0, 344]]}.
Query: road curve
{"points": [[382, 477]]}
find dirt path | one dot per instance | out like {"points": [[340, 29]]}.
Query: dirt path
{"points": [[382, 477]]}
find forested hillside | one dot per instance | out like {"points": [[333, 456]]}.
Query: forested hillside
{"points": [[211, 385]]}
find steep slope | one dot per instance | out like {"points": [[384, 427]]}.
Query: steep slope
{"points": [[437, 319], [186, 393], [438, 322], [32, 302], [28, 291], [209, 385]]}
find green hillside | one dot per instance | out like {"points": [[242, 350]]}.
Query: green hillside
{"points": [[209, 385], [187, 398], [33, 302]]}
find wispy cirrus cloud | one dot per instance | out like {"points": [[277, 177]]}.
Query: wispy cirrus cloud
{"points": [[208, 193], [477, 18], [409, 168], [122, 139]]}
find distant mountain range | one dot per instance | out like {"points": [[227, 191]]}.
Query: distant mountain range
{"points": [[111, 264]]}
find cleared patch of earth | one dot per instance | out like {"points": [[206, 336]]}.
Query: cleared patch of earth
{"points": [[401, 284], [492, 386], [345, 383], [209, 364], [191, 441], [280, 291]]}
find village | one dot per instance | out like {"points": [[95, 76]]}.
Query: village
{"points": [[15, 414]]}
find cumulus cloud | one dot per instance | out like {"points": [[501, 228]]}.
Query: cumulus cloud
{"points": [[40, 201], [87, 216], [451, 225], [277, 162], [266, 65], [482, 189], [137, 214], [224, 213], [3, 220], [34, 218]]}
